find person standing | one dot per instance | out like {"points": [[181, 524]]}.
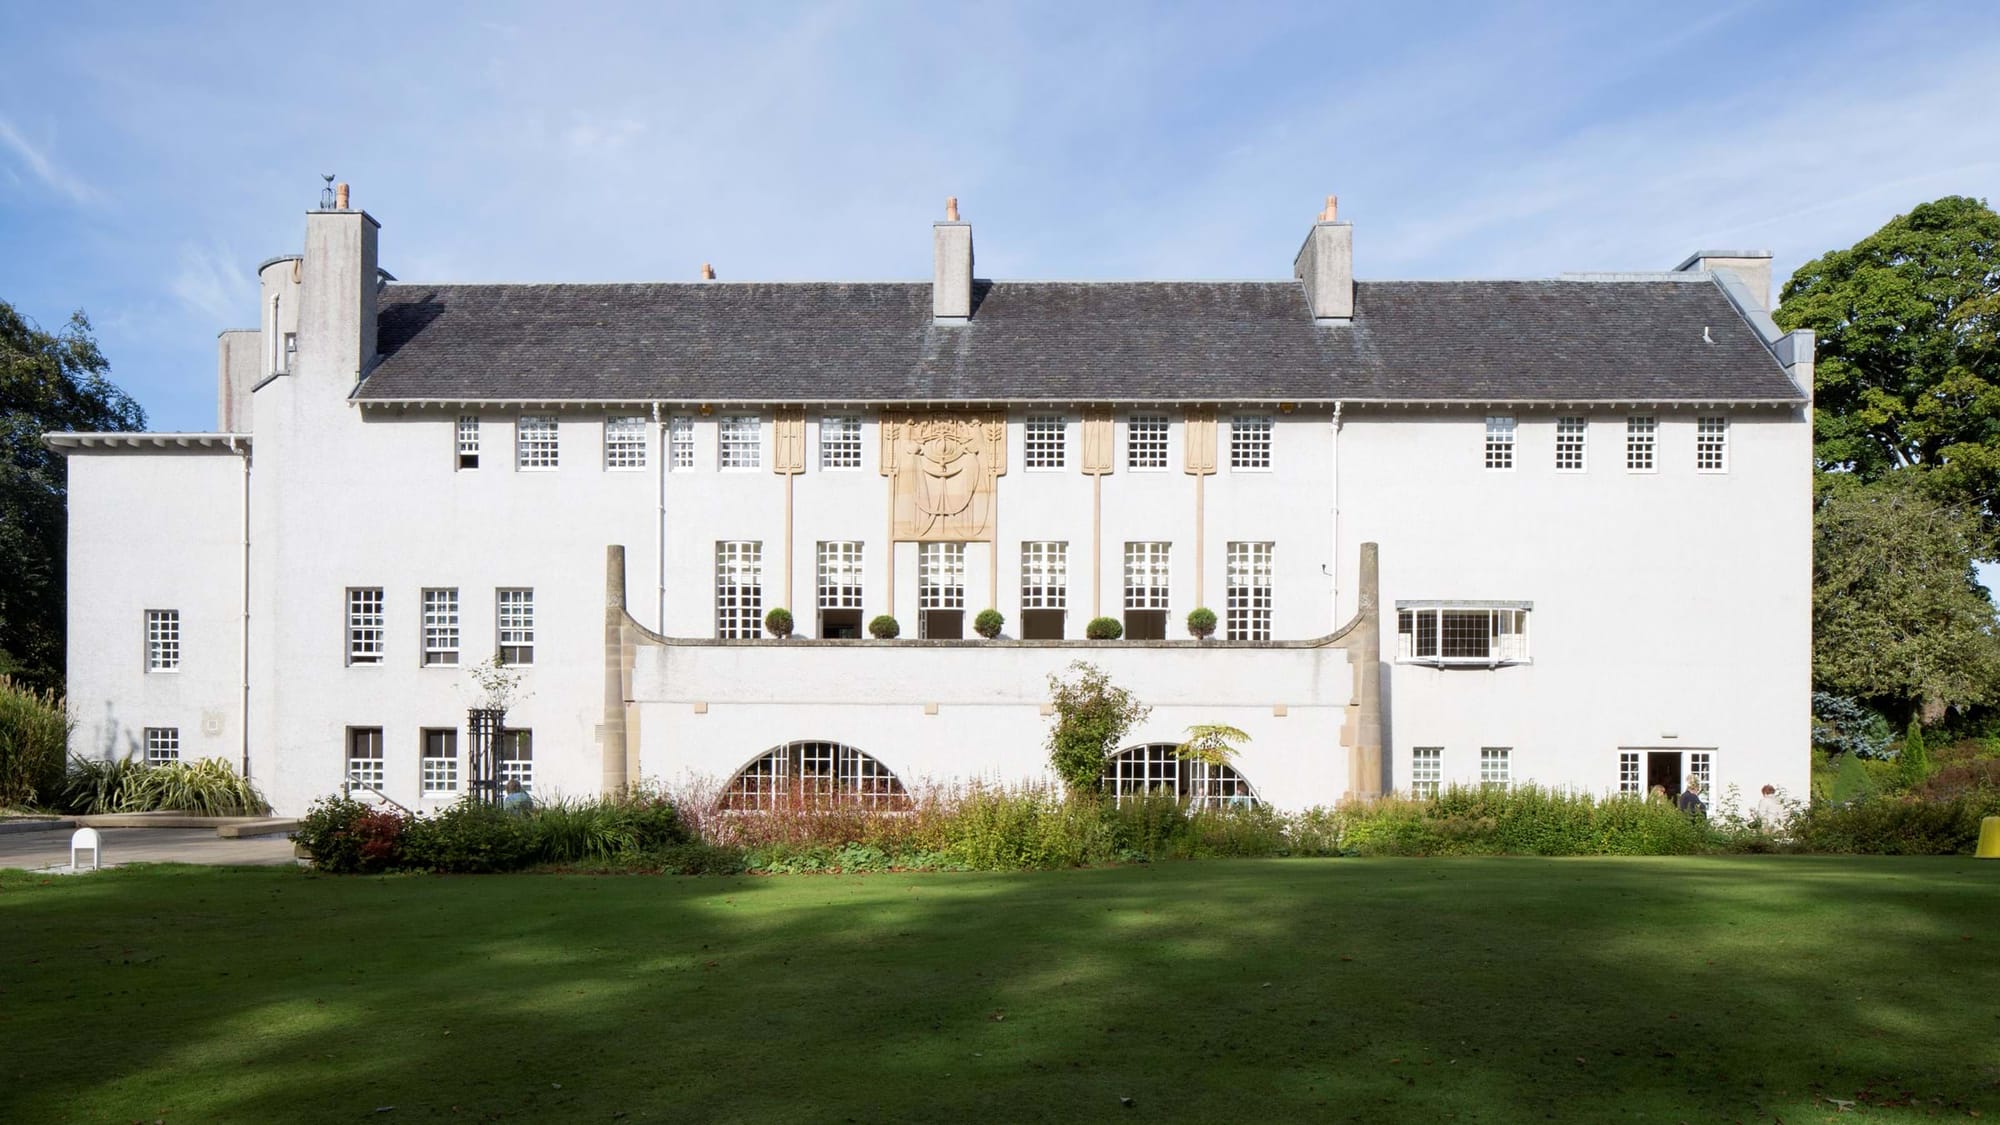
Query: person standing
{"points": [[516, 800], [1691, 802], [1770, 814]]}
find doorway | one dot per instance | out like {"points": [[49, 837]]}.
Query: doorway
{"points": [[1663, 767]]}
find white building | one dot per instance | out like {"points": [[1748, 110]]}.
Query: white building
{"points": [[1590, 498]]}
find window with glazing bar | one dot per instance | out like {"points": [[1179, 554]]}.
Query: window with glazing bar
{"points": [[1711, 445], [625, 442], [1459, 633], [1571, 433], [1146, 442], [163, 745], [840, 442], [680, 442], [741, 445], [1500, 441], [364, 757], [1639, 434], [441, 626], [739, 589], [1250, 441], [514, 614], [941, 590], [163, 640], [468, 441], [1045, 443], [536, 442], [840, 590], [1044, 589], [1426, 770], [1248, 616], [364, 625], [440, 763]]}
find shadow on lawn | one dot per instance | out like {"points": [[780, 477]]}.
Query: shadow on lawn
{"points": [[1364, 990]]}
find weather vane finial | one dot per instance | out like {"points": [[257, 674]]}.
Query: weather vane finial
{"points": [[326, 193]]}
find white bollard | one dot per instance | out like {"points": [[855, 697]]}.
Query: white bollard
{"points": [[85, 843]]}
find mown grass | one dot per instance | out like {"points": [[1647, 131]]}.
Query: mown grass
{"points": [[1686, 989]]}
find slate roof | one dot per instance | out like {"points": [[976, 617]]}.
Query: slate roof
{"points": [[1186, 341]]}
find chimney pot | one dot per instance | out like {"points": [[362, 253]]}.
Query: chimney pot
{"points": [[340, 197], [1332, 209], [707, 272], [951, 209]]}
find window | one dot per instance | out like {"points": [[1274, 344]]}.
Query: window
{"points": [[1249, 609], [514, 758], [941, 591], [1044, 444], [1628, 773], [625, 442], [291, 360], [364, 758], [1639, 443], [364, 625], [739, 590], [440, 627], [1146, 574], [814, 773], [1701, 763], [1158, 770], [1460, 633], [535, 442], [163, 745], [1146, 442], [741, 446], [1250, 441], [1570, 433], [840, 442], [468, 441], [1426, 770], [1711, 445], [163, 640], [680, 442], [1496, 770], [440, 764], [514, 617], [1500, 442], [1044, 590], [840, 590]]}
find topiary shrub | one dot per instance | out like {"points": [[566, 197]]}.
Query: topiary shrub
{"points": [[1201, 623], [778, 623], [884, 628], [1914, 759], [989, 623], [1104, 629]]}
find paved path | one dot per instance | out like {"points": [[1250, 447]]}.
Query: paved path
{"points": [[39, 851]]}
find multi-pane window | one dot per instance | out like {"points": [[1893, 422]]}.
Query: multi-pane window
{"points": [[364, 758], [1500, 441], [1146, 585], [1496, 768], [1045, 442], [941, 590], [163, 745], [1426, 770], [1250, 441], [1701, 763], [514, 621], [741, 447], [535, 445], [1248, 617], [625, 442], [814, 773], [840, 442], [1570, 435], [1711, 445], [468, 441], [441, 627], [163, 640], [514, 758], [1629, 778], [440, 763], [1639, 433], [680, 442], [364, 625], [1146, 442], [739, 589], [1460, 634], [1044, 590], [1157, 770], [840, 590]]}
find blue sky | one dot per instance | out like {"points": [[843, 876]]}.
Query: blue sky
{"points": [[151, 155]]}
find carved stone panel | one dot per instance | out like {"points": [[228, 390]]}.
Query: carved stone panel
{"points": [[1200, 442], [1099, 444], [942, 470], [788, 443]]}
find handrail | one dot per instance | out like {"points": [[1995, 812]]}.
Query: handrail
{"points": [[350, 785]]}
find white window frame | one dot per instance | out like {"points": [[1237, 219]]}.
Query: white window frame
{"points": [[1045, 443], [1572, 443], [840, 574], [624, 443], [537, 443], [1711, 444], [163, 745], [1496, 767], [739, 589], [1045, 574], [1155, 769], [1701, 763], [1642, 441], [1247, 612], [465, 443], [680, 442], [366, 632], [514, 625], [163, 640], [1148, 574], [739, 446], [940, 576], [514, 757], [441, 634], [367, 770], [1500, 443], [1426, 770], [840, 443], [1631, 773], [1427, 631], [1147, 440], [1251, 441], [438, 773]]}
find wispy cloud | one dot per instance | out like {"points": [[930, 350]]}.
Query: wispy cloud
{"points": [[211, 283], [44, 168]]}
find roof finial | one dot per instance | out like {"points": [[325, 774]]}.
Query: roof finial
{"points": [[326, 193], [1332, 207], [951, 209]]}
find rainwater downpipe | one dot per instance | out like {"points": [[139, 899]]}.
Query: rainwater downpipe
{"points": [[243, 638], [1334, 569], [660, 524]]}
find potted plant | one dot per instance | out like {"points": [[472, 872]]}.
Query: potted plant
{"points": [[884, 628], [989, 623], [1201, 623], [1104, 629], [778, 623]]}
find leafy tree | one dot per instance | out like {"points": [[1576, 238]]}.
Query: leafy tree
{"points": [[1914, 762], [1847, 726], [48, 381], [1898, 615], [1092, 714], [1213, 743], [1908, 365]]}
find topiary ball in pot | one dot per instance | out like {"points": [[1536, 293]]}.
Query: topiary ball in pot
{"points": [[884, 628], [989, 623], [1201, 623], [1104, 629], [778, 623]]}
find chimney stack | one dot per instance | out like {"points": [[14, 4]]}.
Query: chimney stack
{"points": [[340, 197], [1749, 268], [1326, 265], [951, 272], [707, 272]]}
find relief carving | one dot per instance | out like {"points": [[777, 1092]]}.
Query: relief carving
{"points": [[942, 471], [1200, 442], [788, 442], [1099, 444]]}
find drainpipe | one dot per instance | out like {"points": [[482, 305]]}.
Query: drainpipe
{"points": [[1334, 569], [660, 524], [243, 640]]}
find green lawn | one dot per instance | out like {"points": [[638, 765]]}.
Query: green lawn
{"points": [[1369, 990]]}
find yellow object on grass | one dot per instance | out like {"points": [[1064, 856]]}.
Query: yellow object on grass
{"points": [[1989, 838]]}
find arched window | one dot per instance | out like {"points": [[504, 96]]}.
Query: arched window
{"points": [[814, 773], [1155, 768]]}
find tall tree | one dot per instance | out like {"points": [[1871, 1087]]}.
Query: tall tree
{"points": [[48, 381], [1908, 371]]}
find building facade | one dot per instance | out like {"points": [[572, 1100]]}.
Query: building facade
{"points": [[1452, 532]]}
